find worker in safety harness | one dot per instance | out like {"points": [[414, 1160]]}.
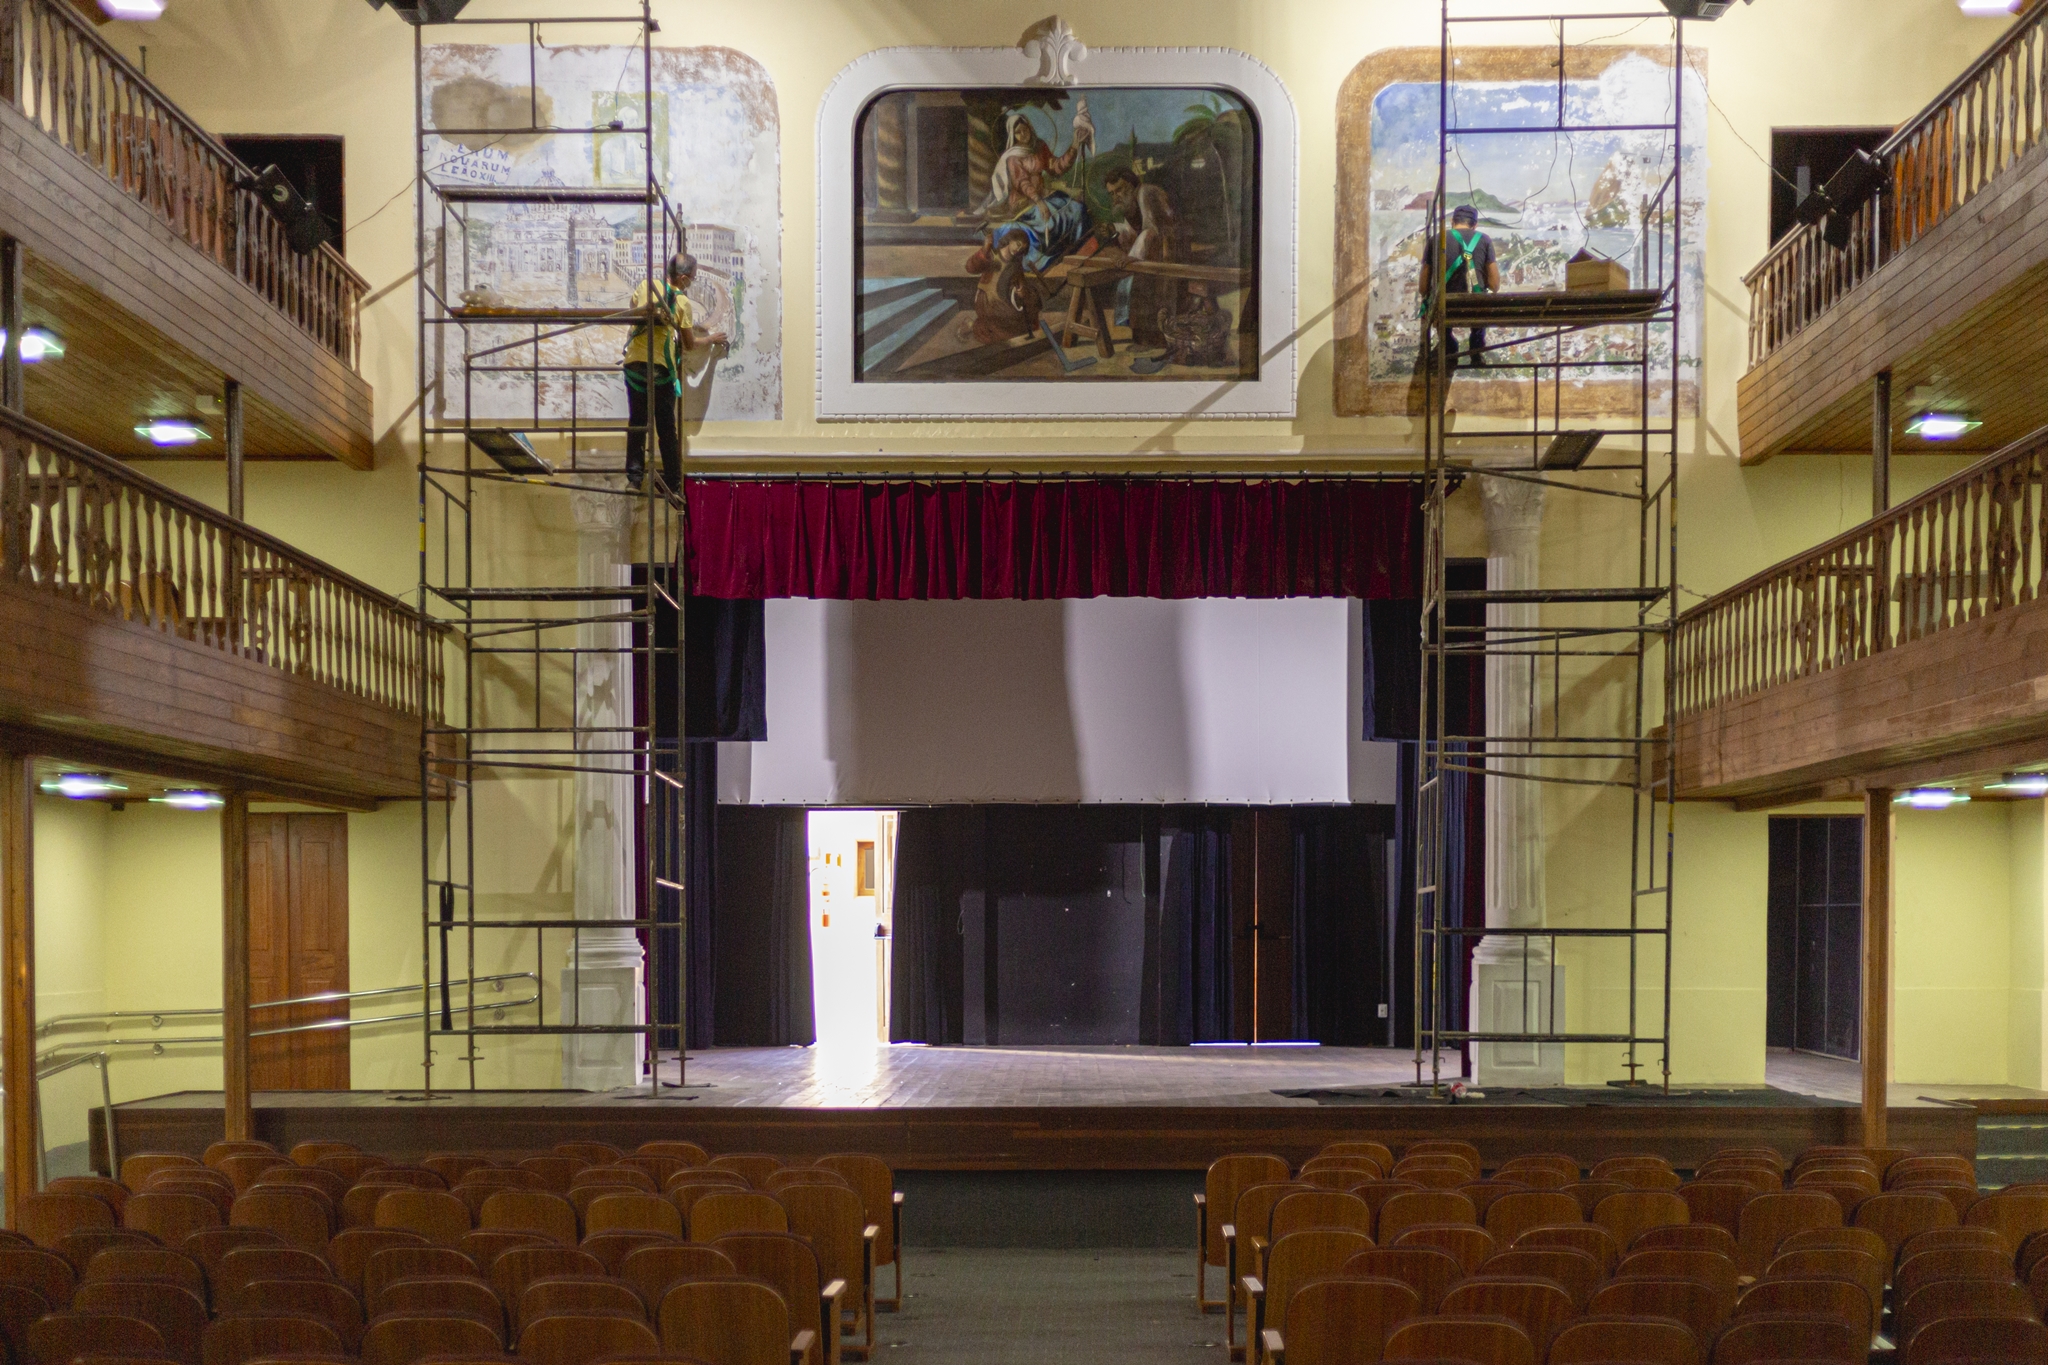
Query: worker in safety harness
{"points": [[1470, 269]]}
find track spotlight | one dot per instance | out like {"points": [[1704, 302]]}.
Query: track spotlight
{"points": [[423, 11], [305, 231]]}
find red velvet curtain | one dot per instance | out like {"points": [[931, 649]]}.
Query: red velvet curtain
{"points": [[897, 540]]}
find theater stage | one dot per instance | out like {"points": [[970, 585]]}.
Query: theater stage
{"points": [[1047, 1109]]}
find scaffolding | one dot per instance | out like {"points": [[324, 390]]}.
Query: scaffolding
{"points": [[1543, 649], [561, 668]]}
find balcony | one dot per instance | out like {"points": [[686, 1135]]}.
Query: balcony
{"points": [[1912, 649], [141, 629], [162, 273], [1943, 282]]}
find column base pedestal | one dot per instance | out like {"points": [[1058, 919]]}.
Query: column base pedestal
{"points": [[1507, 998], [605, 995]]}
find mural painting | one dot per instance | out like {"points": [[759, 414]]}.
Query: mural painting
{"points": [[1542, 197], [1057, 236], [717, 159]]}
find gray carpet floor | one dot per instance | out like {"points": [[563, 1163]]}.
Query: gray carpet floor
{"points": [[992, 1307]]}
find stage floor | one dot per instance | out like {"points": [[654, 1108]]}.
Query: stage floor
{"points": [[1070, 1109]]}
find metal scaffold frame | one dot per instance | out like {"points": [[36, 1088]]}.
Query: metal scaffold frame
{"points": [[1555, 635], [549, 631]]}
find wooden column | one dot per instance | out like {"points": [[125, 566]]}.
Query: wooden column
{"points": [[1881, 445], [22, 1139], [12, 395], [234, 977], [1877, 961], [231, 439]]}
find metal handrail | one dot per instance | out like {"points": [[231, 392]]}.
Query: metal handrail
{"points": [[66, 1020], [49, 1069]]}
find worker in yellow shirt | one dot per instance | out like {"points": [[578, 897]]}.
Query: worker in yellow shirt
{"points": [[653, 369]]}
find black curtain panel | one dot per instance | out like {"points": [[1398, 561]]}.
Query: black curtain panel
{"points": [[700, 881], [725, 667], [926, 998], [761, 952], [1194, 926], [1340, 914], [1393, 668]]}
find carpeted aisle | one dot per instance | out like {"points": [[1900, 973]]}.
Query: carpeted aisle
{"points": [[1050, 1308]]}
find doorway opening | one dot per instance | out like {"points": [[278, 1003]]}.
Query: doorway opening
{"points": [[1814, 996], [852, 865]]}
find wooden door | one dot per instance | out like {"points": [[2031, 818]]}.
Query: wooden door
{"points": [[298, 946]]}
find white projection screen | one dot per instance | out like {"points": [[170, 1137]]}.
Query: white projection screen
{"points": [[1214, 700]]}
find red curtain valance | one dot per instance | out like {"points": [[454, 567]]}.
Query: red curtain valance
{"points": [[897, 540]]}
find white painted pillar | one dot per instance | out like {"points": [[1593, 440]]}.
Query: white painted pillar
{"points": [[601, 981], [1512, 976]]}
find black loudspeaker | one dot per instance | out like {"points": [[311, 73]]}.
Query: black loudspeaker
{"points": [[423, 11], [304, 229]]}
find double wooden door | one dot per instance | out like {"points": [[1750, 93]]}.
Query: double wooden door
{"points": [[298, 947]]}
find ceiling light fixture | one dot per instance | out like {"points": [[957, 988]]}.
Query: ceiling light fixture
{"points": [[1931, 798], [132, 9], [423, 11], [171, 431], [1990, 7], [37, 343], [2022, 784], [190, 800], [1940, 426], [1700, 9], [82, 786]]}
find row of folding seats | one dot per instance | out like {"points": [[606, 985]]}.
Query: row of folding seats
{"points": [[247, 1253], [1566, 1266]]}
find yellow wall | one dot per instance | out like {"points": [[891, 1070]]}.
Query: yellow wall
{"points": [[2026, 823], [287, 66], [1953, 902]]}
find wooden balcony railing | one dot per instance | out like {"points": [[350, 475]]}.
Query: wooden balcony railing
{"points": [[64, 77], [1994, 114], [1966, 548], [79, 525]]}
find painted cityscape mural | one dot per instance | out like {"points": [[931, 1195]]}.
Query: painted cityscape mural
{"points": [[717, 156], [1057, 236], [1542, 196]]}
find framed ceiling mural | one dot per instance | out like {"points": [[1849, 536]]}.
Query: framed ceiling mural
{"points": [[1542, 198], [1046, 231], [718, 157]]}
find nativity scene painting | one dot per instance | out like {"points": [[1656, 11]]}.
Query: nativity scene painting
{"points": [[1057, 236]]}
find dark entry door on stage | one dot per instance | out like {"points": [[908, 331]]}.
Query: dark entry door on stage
{"points": [[298, 946], [1815, 993]]}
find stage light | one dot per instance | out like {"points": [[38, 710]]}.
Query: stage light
{"points": [[2022, 784], [1931, 798], [423, 11], [1700, 9], [82, 786], [190, 800], [132, 9], [37, 344], [305, 231], [1940, 426], [171, 431]]}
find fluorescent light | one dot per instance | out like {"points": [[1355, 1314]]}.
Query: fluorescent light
{"points": [[2022, 784], [190, 800], [1931, 798], [1988, 7], [1940, 426], [171, 431], [82, 786], [37, 343], [132, 9]]}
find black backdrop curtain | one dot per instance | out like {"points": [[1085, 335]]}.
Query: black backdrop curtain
{"points": [[1341, 904], [937, 856], [761, 938], [1192, 999]]}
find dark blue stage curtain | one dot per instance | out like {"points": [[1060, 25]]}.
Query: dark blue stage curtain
{"points": [[1194, 936], [1037, 539]]}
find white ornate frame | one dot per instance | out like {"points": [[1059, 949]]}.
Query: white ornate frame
{"points": [[842, 398]]}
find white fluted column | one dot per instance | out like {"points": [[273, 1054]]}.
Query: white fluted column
{"points": [[1512, 976], [601, 981]]}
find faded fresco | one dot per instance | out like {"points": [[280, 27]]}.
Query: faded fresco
{"points": [[1542, 197], [1057, 236], [717, 157]]}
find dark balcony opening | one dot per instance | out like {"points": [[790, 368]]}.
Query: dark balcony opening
{"points": [[312, 164], [1802, 159]]}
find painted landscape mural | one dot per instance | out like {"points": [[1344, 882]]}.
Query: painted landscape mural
{"points": [[1057, 236]]}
